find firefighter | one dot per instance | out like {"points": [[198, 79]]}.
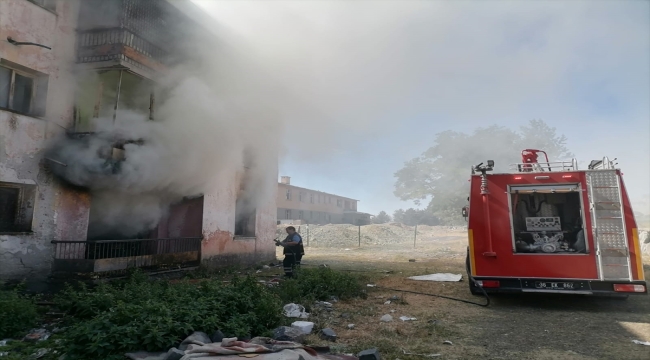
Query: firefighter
{"points": [[293, 250]]}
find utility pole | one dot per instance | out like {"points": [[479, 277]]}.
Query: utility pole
{"points": [[415, 236]]}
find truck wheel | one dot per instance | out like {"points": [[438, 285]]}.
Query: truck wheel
{"points": [[472, 287]]}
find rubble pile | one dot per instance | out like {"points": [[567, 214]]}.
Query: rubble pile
{"points": [[345, 235]]}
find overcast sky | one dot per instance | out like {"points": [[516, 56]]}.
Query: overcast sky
{"points": [[381, 78]]}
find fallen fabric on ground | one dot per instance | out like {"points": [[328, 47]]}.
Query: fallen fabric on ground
{"points": [[234, 347], [438, 277]]}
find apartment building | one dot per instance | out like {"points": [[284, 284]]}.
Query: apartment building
{"points": [[301, 205], [127, 45]]}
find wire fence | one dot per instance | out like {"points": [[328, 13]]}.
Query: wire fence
{"points": [[374, 235]]}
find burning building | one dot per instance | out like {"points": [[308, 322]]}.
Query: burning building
{"points": [[113, 151]]}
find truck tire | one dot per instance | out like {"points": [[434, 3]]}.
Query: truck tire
{"points": [[473, 289]]}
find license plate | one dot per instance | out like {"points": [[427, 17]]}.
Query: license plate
{"points": [[554, 285]]}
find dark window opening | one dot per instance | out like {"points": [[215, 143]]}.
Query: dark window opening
{"points": [[16, 207]]}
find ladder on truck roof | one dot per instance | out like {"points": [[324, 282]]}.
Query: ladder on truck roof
{"points": [[608, 224]]}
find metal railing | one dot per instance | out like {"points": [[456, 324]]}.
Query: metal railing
{"points": [[546, 166], [108, 249]]}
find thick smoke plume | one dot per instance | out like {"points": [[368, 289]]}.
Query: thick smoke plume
{"points": [[205, 132]]}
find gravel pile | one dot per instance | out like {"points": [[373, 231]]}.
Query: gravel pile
{"points": [[344, 235]]}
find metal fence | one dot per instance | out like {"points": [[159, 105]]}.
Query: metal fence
{"points": [[108, 249]]}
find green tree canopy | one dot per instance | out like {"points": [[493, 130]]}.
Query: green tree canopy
{"points": [[440, 175]]}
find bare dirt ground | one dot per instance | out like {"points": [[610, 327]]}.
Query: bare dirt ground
{"points": [[533, 326]]}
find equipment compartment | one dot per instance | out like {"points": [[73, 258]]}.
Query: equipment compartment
{"points": [[547, 219]]}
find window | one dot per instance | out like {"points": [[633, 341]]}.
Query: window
{"points": [[300, 215], [22, 90], [16, 207], [347, 205], [288, 194], [339, 202], [311, 198], [300, 196], [319, 198], [287, 214]]}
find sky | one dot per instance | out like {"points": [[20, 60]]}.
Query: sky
{"points": [[376, 80]]}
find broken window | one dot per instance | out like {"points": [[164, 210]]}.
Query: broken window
{"points": [[98, 93], [16, 207], [22, 90]]}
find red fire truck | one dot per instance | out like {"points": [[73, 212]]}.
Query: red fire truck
{"points": [[549, 227]]}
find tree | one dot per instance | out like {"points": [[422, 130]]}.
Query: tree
{"points": [[413, 217], [381, 218], [440, 175]]}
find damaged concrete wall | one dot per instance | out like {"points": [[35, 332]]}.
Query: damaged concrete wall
{"points": [[60, 213], [219, 246]]}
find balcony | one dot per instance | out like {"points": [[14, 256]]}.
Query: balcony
{"points": [[139, 34], [115, 255]]}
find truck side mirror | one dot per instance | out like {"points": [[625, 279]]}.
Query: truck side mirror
{"points": [[464, 211]]}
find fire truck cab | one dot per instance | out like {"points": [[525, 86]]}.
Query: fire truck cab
{"points": [[549, 227]]}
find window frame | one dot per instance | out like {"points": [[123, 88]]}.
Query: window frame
{"points": [[12, 89]]}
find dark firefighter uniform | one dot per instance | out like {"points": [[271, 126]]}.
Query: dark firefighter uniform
{"points": [[292, 254]]}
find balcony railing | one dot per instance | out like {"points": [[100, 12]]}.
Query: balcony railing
{"points": [[111, 255]]}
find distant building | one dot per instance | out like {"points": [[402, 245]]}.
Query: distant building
{"points": [[306, 206]]}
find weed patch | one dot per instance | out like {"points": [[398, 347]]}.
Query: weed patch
{"points": [[153, 315], [18, 313], [321, 284]]}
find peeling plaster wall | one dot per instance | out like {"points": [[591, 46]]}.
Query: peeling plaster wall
{"points": [[60, 213], [218, 248]]}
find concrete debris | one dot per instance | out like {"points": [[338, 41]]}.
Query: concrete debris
{"points": [[328, 334], [217, 336], [305, 326], [40, 353], [295, 311], [386, 318], [37, 335], [370, 354], [197, 337], [350, 326], [286, 333], [406, 318], [174, 354]]}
